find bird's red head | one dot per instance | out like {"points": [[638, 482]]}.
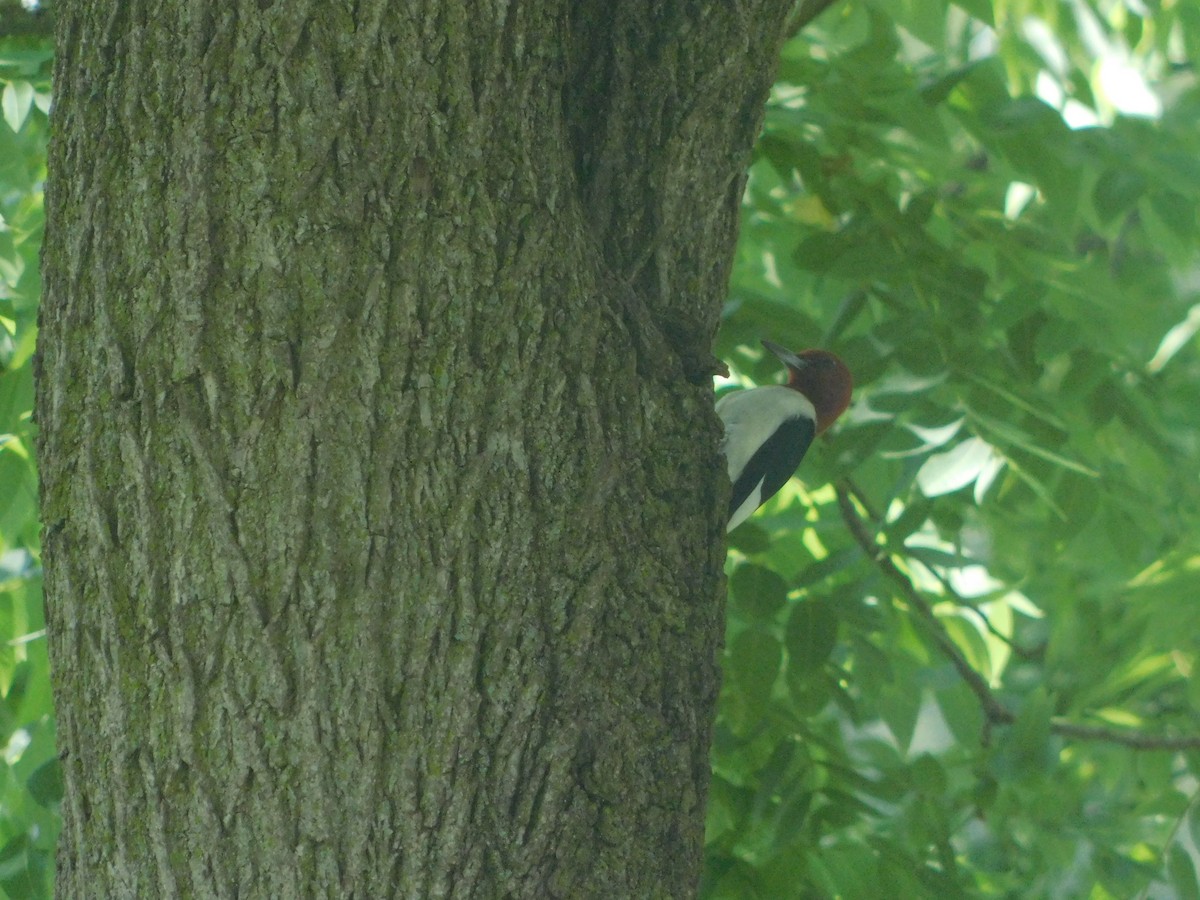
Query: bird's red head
{"points": [[821, 377]]}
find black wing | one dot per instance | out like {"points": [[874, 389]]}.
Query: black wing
{"points": [[774, 462]]}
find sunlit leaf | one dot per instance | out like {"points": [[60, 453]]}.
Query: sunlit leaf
{"points": [[958, 467], [16, 100]]}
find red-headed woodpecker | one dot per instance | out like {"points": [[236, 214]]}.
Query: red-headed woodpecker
{"points": [[768, 429]]}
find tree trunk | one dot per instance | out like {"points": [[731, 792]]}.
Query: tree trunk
{"points": [[382, 497]]}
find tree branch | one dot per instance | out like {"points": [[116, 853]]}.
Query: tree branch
{"points": [[806, 11], [865, 502], [1136, 739], [995, 712]]}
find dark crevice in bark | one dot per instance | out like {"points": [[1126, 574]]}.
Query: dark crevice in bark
{"points": [[641, 78]]}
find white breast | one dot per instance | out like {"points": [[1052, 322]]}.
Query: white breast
{"points": [[752, 416]]}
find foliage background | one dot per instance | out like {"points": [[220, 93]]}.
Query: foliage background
{"points": [[960, 653], [960, 656], [30, 784]]}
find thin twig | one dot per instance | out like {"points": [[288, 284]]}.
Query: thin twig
{"points": [[1136, 739], [1168, 843], [995, 712], [959, 600], [993, 708]]}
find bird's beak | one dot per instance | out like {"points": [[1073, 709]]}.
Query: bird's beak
{"points": [[786, 356]]}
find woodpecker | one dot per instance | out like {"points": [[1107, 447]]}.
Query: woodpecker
{"points": [[768, 429]]}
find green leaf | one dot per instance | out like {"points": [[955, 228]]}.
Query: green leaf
{"points": [[1176, 211], [17, 100], [45, 785], [1026, 748], [980, 9], [1182, 872], [1117, 191], [754, 663], [812, 632], [900, 706], [759, 592]]}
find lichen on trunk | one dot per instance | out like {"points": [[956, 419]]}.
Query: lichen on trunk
{"points": [[381, 491]]}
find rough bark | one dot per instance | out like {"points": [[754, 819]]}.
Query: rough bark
{"points": [[381, 489]]}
